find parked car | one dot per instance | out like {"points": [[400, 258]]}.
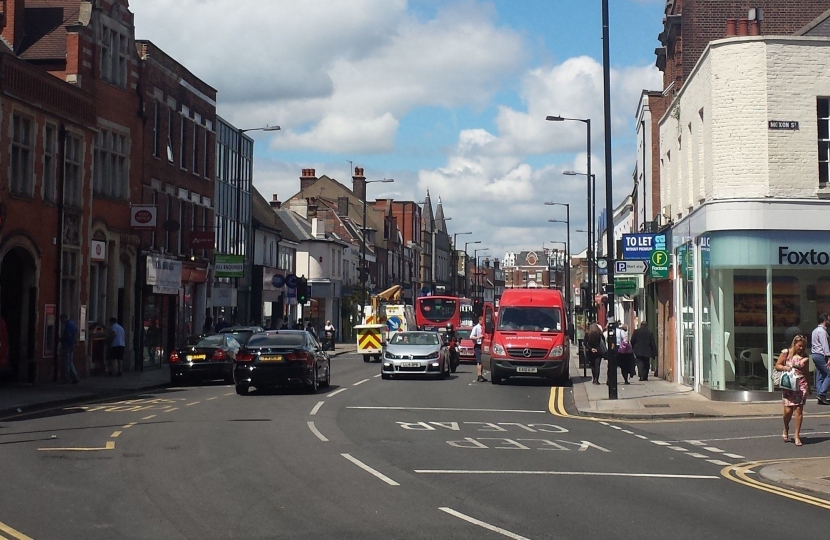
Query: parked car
{"points": [[282, 357], [242, 333], [415, 353], [204, 358]]}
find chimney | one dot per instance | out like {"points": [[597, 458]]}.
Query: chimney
{"points": [[275, 202], [496, 264], [342, 206], [743, 27], [307, 179], [487, 262], [13, 17], [312, 208], [754, 28], [731, 27], [359, 183]]}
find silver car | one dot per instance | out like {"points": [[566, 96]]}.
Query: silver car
{"points": [[415, 353]]}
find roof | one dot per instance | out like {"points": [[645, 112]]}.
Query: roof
{"points": [[262, 212], [45, 28], [820, 26]]}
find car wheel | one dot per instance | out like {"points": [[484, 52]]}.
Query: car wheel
{"points": [[313, 386], [385, 376], [242, 389], [565, 378], [367, 358], [327, 382]]}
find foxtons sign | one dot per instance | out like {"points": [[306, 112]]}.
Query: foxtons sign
{"points": [[810, 258]]}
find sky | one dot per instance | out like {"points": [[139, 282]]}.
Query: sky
{"points": [[444, 96]]}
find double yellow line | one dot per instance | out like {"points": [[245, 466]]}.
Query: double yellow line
{"points": [[14, 533], [740, 473]]}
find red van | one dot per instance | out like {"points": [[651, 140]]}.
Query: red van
{"points": [[529, 336]]}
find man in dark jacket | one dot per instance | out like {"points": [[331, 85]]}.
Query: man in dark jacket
{"points": [[644, 348]]}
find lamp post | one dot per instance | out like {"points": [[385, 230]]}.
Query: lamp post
{"points": [[240, 189], [567, 251], [592, 200], [475, 258], [466, 292], [363, 270], [453, 264]]}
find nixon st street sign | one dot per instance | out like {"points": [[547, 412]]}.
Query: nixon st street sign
{"points": [[630, 267]]}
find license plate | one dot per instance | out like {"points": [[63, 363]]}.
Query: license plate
{"points": [[410, 364], [271, 358], [523, 369], [196, 357]]}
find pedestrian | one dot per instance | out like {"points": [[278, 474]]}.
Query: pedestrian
{"points": [[298, 325], [795, 359], [820, 350], [310, 328], [284, 324], [644, 349], [221, 325], [476, 336], [117, 344], [69, 337], [329, 331], [207, 328], [595, 349], [625, 354]]}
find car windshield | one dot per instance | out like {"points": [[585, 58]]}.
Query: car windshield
{"points": [[530, 319], [438, 309], [294, 339], [211, 341], [420, 338]]}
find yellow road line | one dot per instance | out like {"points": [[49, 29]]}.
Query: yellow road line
{"points": [[739, 474], [14, 532], [115, 434], [110, 446], [131, 424], [148, 417]]}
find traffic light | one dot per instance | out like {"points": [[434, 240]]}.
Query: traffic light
{"points": [[302, 290]]}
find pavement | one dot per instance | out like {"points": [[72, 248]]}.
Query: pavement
{"points": [[22, 398]]}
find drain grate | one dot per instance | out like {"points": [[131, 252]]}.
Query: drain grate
{"points": [[656, 405]]}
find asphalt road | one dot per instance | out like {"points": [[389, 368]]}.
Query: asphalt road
{"points": [[370, 458]]}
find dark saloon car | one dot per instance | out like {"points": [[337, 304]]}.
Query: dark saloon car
{"points": [[282, 357], [204, 358], [242, 333]]}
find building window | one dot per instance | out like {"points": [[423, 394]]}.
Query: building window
{"points": [[182, 145], [73, 171], [195, 148], [179, 242], [206, 168], [50, 147], [69, 283], [168, 217], [155, 129], [823, 140], [110, 177], [155, 201], [170, 135], [115, 51], [22, 180]]}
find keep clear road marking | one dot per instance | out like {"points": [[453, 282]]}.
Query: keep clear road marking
{"points": [[370, 470], [316, 408], [316, 432], [336, 392], [482, 524], [577, 473], [360, 382], [443, 409], [13, 532]]}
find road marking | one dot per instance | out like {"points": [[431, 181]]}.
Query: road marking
{"points": [[194, 403], [230, 393], [661, 443], [110, 446], [445, 409], [761, 436], [615, 427], [171, 410], [360, 382], [739, 473], [575, 473], [378, 375], [696, 443], [678, 448], [734, 456], [14, 532], [699, 456], [336, 392], [370, 470], [212, 398], [316, 432], [128, 426], [628, 431], [149, 417], [316, 408], [641, 437], [482, 524], [718, 462], [115, 434], [713, 449]]}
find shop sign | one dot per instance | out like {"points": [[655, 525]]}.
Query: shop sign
{"points": [[229, 266], [659, 264], [272, 279], [98, 250], [638, 246], [626, 285], [201, 239], [224, 297], [165, 275], [143, 216]]}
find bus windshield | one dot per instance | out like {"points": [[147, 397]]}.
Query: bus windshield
{"points": [[438, 310], [530, 319]]}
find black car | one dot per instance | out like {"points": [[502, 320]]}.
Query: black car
{"points": [[204, 357], [280, 357], [242, 333]]}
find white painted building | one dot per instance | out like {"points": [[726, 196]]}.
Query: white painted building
{"points": [[745, 151]]}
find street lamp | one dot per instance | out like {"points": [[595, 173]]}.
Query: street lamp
{"points": [[363, 270], [453, 264], [240, 190], [466, 258], [592, 218], [567, 251], [475, 258]]}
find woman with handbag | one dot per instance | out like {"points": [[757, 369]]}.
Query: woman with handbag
{"points": [[595, 349], [792, 374], [625, 354]]}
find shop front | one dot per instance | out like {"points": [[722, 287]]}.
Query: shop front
{"points": [[737, 292], [160, 314]]}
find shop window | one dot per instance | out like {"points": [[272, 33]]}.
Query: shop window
{"points": [[823, 118]]}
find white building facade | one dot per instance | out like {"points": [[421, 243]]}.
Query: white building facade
{"points": [[745, 150]]}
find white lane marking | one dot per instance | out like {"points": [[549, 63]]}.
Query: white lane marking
{"points": [[194, 403], [628, 431], [445, 409], [171, 409], [641, 437], [482, 524], [604, 423], [316, 432], [679, 448], [759, 437], [616, 427], [718, 462], [230, 393], [368, 469], [149, 417], [360, 382], [212, 398], [662, 443], [316, 408], [713, 449], [733, 456], [336, 392], [378, 375], [573, 473], [699, 456], [696, 443]]}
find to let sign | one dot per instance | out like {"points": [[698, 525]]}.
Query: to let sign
{"points": [[638, 247]]}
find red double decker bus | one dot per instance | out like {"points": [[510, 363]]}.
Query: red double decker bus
{"points": [[434, 312]]}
